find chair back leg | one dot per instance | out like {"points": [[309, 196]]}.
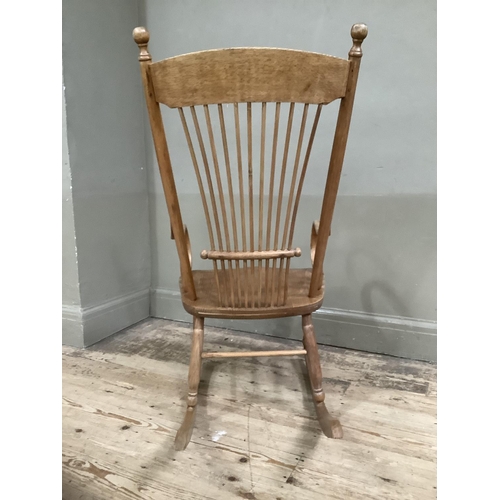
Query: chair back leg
{"points": [[330, 426], [183, 435]]}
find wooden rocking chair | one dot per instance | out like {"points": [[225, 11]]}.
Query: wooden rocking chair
{"points": [[250, 243]]}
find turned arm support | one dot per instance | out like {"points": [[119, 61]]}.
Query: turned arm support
{"points": [[187, 242], [314, 239]]}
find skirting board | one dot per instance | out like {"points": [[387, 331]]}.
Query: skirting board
{"points": [[83, 327], [393, 335]]}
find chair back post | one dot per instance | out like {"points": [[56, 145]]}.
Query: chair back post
{"points": [[358, 34], [141, 37]]}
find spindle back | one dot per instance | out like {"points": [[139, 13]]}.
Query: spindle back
{"points": [[250, 116]]}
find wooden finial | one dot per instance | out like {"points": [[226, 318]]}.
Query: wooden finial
{"points": [[358, 33], [141, 37]]}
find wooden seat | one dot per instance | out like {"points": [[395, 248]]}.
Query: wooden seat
{"points": [[249, 116], [207, 304]]}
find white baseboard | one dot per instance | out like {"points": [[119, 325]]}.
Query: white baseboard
{"points": [[394, 335], [86, 326]]}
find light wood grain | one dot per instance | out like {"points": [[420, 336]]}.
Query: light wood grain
{"points": [[329, 425], [270, 265], [303, 172], [245, 76], [185, 431], [298, 301], [358, 33], [124, 399], [253, 354], [255, 255], [249, 75], [141, 37]]}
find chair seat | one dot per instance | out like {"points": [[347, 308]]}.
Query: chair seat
{"points": [[208, 305]]}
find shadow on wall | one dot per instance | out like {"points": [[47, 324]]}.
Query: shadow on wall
{"points": [[357, 263], [382, 288]]}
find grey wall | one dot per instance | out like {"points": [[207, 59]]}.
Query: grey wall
{"points": [[106, 250], [72, 319], [381, 262]]}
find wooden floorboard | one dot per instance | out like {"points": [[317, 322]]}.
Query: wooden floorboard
{"points": [[256, 435]]}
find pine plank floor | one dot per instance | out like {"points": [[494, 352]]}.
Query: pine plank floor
{"points": [[256, 434]]}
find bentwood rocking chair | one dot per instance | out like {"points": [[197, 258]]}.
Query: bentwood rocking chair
{"points": [[250, 229]]}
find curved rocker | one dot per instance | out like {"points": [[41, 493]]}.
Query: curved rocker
{"points": [[185, 431]]}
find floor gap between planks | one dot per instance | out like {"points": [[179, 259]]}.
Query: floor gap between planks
{"points": [[256, 435]]}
